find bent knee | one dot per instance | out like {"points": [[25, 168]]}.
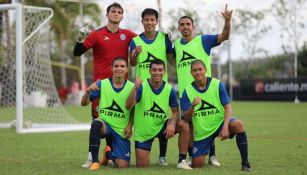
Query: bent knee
{"points": [[237, 126], [183, 125]]}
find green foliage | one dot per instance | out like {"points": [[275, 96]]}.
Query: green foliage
{"points": [[277, 146], [302, 63]]}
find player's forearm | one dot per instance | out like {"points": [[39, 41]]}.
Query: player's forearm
{"points": [[131, 99], [172, 60], [225, 33], [79, 49], [175, 115], [189, 114], [85, 100], [133, 59], [227, 114], [131, 119]]}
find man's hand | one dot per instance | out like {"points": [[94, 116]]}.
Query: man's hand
{"points": [[128, 132], [227, 14], [137, 82], [224, 134], [84, 31], [93, 87], [170, 130], [169, 34], [196, 101]]}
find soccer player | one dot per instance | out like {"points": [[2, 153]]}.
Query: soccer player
{"points": [[107, 43], [150, 45], [206, 103], [152, 100], [114, 119], [192, 47]]}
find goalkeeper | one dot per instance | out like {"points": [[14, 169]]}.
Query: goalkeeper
{"points": [[151, 45], [103, 42], [114, 119]]}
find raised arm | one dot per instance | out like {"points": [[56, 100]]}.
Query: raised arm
{"points": [[131, 99], [85, 100], [226, 30], [189, 113]]}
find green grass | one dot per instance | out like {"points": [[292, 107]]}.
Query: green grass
{"points": [[277, 145]]}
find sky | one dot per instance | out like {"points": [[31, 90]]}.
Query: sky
{"points": [[271, 42]]}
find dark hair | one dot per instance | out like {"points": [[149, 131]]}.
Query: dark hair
{"points": [[116, 5], [158, 62], [119, 59], [198, 62], [183, 17], [150, 11]]}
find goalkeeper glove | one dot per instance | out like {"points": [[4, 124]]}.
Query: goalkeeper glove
{"points": [[84, 31], [169, 33]]}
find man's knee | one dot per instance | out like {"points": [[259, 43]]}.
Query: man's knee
{"points": [[198, 162], [122, 163], [183, 126], [237, 126]]}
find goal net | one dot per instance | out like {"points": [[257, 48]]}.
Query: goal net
{"points": [[28, 95]]}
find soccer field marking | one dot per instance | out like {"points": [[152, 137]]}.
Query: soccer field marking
{"points": [[277, 138]]}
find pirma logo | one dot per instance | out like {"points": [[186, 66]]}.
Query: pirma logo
{"points": [[155, 112], [186, 59], [113, 110], [145, 64], [206, 109]]}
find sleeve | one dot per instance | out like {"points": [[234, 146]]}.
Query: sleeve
{"points": [[95, 94], [139, 94], [173, 99], [90, 40], [185, 102], [209, 41], [79, 49], [224, 98], [168, 45], [132, 45]]}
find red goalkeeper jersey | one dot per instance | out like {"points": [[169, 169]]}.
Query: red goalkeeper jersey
{"points": [[107, 46]]}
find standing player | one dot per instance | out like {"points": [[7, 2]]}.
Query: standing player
{"points": [[107, 43], [192, 47], [114, 119], [206, 103], [153, 99], [146, 47]]}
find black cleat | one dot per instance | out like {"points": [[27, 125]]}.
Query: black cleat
{"points": [[246, 167]]}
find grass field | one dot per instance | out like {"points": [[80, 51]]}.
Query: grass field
{"points": [[277, 135]]}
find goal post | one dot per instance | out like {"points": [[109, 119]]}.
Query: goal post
{"points": [[27, 88]]}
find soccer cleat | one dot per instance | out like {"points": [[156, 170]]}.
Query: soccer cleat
{"points": [[213, 161], [95, 166], [183, 165], [163, 161], [87, 164], [246, 167], [104, 160]]}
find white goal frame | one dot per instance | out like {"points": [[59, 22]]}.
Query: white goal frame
{"points": [[19, 76]]}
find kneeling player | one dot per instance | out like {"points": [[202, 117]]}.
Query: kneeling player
{"points": [[114, 119]]}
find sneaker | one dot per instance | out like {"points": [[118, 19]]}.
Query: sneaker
{"points": [[213, 161], [189, 161], [103, 160], [87, 164], [95, 166], [163, 161], [246, 167], [183, 165]]}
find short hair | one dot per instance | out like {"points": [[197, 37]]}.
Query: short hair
{"points": [[183, 17], [158, 62], [119, 59], [116, 5], [198, 62], [150, 11]]}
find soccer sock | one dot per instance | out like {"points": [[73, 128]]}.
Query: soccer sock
{"points": [[163, 146], [212, 150], [95, 135], [190, 150], [89, 157], [241, 139], [182, 157]]}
